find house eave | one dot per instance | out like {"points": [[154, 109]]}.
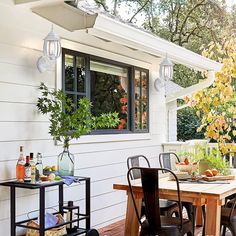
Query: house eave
{"points": [[111, 29], [130, 36]]}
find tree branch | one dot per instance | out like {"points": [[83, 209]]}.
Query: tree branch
{"points": [[139, 10], [101, 3]]}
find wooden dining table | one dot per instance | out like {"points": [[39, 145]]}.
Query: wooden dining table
{"points": [[211, 194]]}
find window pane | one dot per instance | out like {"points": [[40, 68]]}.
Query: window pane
{"points": [[69, 73], [137, 83], [144, 106], [80, 67], [141, 100], [109, 92]]}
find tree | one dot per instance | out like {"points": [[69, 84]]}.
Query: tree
{"points": [[187, 124], [191, 24], [217, 105]]}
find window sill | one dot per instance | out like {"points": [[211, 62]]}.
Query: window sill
{"points": [[108, 138]]}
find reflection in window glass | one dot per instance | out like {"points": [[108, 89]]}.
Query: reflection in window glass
{"points": [[144, 108], [69, 73], [80, 67], [137, 94], [141, 100], [109, 91]]}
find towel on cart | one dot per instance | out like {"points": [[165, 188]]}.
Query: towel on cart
{"points": [[68, 180]]}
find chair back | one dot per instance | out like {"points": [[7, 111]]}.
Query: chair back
{"points": [[150, 187], [233, 205], [137, 161], [166, 160]]}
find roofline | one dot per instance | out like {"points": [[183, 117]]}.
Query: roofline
{"points": [[130, 36], [112, 29]]}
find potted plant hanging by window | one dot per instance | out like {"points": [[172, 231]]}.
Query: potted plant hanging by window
{"points": [[68, 122]]}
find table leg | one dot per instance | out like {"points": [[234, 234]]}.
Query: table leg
{"points": [[87, 205], [41, 211], [61, 191], [213, 211], [131, 223], [199, 221], [13, 211]]}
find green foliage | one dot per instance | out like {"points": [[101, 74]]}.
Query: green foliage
{"points": [[67, 121], [213, 159], [187, 124], [185, 76]]}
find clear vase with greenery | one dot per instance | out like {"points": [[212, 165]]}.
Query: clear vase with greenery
{"points": [[70, 122]]}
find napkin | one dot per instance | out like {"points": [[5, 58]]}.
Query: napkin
{"points": [[50, 220], [68, 180]]}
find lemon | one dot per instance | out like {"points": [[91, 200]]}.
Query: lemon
{"points": [[52, 176]]}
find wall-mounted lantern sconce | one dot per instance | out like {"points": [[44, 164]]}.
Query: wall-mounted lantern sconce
{"points": [[166, 69], [52, 45], [165, 73], [51, 51]]}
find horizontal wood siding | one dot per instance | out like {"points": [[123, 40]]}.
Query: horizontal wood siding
{"points": [[21, 124]]}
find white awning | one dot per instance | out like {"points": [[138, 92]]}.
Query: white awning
{"points": [[74, 16]]}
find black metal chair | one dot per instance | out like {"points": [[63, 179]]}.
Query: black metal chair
{"points": [[166, 207], [165, 161], [155, 223], [228, 217]]}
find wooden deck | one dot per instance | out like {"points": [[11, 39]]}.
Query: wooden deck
{"points": [[117, 229]]}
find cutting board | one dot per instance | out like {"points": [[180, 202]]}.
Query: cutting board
{"points": [[217, 177]]}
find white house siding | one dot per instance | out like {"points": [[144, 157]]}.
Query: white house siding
{"points": [[172, 121], [103, 158]]}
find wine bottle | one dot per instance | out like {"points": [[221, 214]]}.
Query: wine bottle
{"points": [[20, 169], [33, 168], [27, 170]]}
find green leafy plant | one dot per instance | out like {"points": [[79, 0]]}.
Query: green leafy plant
{"points": [[213, 159], [68, 121]]}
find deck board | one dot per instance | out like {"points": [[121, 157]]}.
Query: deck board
{"points": [[117, 229]]}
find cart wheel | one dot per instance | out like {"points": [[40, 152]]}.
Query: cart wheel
{"points": [[92, 232]]}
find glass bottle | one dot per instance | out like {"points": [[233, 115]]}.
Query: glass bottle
{"points": [[39, 166], [27, 170], [65, 163], [20, 168], [33, 168]]}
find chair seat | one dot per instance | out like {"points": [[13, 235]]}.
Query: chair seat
{"points": [[166, 204], [225, 213], [230, 201], [228, 222], [169, 224]]}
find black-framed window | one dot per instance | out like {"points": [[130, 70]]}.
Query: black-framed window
{"points": [[111, 87]]}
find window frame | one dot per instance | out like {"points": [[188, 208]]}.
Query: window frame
{"points": [[130, 91]]}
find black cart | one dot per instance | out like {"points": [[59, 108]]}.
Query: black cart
{"points": [[42, 186]]}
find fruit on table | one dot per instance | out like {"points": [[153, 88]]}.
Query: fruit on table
{"points": [[44, 178], [214, 172], [208, 173], [50, 168], [54, 168], [58, 178], [186, 161], [182, 163], [51, 177], [47, 168]]}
